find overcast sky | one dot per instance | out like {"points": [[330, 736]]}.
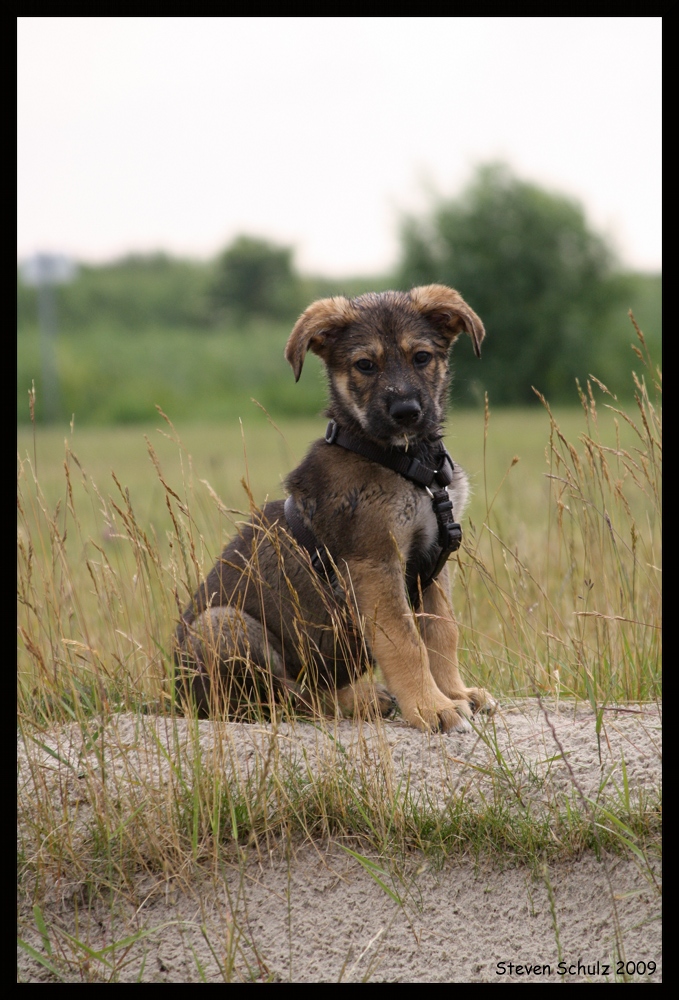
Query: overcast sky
{"points": [[137, 134]]}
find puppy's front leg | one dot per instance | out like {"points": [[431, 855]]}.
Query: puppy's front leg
{"points": [[440, 634], [399, 650]]}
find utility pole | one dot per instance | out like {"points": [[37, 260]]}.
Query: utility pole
{"points": [[44, 271]]}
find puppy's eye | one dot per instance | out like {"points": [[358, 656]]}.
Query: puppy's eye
{"points": [[421, 359], [364, 365]]}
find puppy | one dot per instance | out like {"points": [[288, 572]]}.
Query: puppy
{"points": [[350, 570]]}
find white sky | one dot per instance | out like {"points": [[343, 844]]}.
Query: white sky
{"points": [[179, 133]]}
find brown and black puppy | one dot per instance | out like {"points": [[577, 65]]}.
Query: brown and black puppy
{"points": [[266, 623]]}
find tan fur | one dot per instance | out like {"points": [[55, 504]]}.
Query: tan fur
{"points": [[440, 301], [311, 330], [264, 621]]}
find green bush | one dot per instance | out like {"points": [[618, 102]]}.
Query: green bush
{"points": [[546, 286]]}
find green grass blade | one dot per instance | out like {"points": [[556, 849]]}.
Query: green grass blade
{"points": [[374, 873]]}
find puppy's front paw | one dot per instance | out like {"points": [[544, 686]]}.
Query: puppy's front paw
{"points": [[459, 724], [444, 717], [480, 701]]}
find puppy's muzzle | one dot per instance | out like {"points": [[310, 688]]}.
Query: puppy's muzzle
{"points": [[405, 411]]}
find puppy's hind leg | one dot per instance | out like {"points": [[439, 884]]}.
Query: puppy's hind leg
{"points": [[227, 663], [365, 697]]}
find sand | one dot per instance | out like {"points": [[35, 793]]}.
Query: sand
{"points": [[319, 914]]}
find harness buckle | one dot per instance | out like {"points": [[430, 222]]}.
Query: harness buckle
{"points": [[419, 473], [331, 432]]}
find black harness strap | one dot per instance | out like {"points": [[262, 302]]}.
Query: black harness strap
{"points": [[439, 477], [406, 466]]}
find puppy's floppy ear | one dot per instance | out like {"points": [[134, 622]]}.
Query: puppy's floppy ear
{"points": [[316, 327], [448, 312]]}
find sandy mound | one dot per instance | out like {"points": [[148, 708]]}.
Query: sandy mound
{"points": [[320, 915]]}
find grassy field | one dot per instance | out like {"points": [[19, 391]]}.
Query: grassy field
{"points": [[558, 571], [557, 589]]}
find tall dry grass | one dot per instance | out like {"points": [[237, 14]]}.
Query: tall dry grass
{"points": [[574, 607]]}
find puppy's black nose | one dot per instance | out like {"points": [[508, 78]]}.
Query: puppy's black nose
{"points": [[405, 411]]}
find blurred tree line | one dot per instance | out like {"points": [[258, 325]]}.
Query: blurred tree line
{"points": [[251, 280], [548, 288]]}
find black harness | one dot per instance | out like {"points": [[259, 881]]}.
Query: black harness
{"points": [[433, 479]]}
